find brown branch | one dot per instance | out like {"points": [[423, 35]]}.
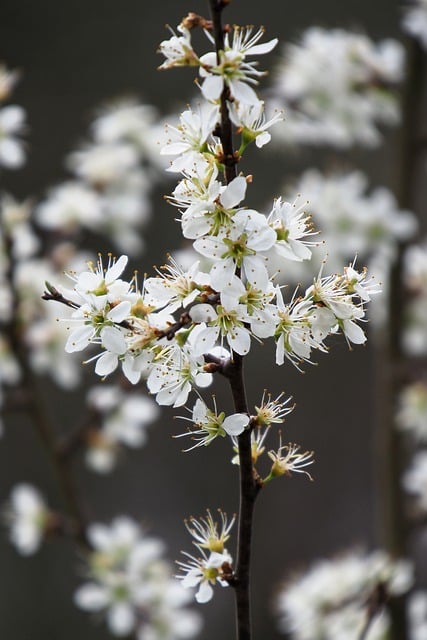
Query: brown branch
{"points": [[233, 370]]}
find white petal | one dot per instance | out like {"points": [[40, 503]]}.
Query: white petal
{"points": [[203, 379], [25, 497], [120, 312], [205, 341], [79, 338], [99, 536], [106, 364], [222, 273], [204, 593], [133, 375], [212, 87], [12, 118], [11, 153], [91, 597], [243, 92], [113, 340], [353, 332], [203, 313], [121, 619], [259, 49], [256, 272], [234, 192], [192, 579], [210, 247], [239, 341], [235, 424], [116, 269]]}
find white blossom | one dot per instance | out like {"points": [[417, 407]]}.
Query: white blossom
{"points": [[352, 221], [27, 516], [252, 123], [336, 87], [12, 124], [328, 602], [208, 425], [412, 410], [178, 50], [415, 21], [123, 420], [240, 246], [175, 287], [132, 584], [70, 206], [292, 225], [189, 140], [233, 70], [291, 462], [204, 572]]}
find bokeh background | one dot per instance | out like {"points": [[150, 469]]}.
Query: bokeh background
{"points": [[75, 56]]}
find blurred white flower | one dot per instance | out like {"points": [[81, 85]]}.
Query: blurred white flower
{"points": [[352, 221], [8, 79], [16, 222], [27, 516], [114, 175], [417, 615], [127, 121], [412, 410], [102, 164], [335, 87], [328, 602], [12, 125], [124, 417], [415, 280], [414, 479], [132, 585], [68, 207], [414, 21]]}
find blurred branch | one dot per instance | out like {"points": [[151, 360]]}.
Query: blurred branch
{"points": [[394, 367], [36, 408]]}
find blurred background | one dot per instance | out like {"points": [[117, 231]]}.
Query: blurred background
{"points": [[75, 57]]}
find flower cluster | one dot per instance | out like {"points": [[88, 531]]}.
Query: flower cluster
{"points": [[183, 324], [236, 298], [132, 584], [352, 221], [113, 176], [118, 418], [136, 328], [328, 601], [336, 88], [213, 564]]}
